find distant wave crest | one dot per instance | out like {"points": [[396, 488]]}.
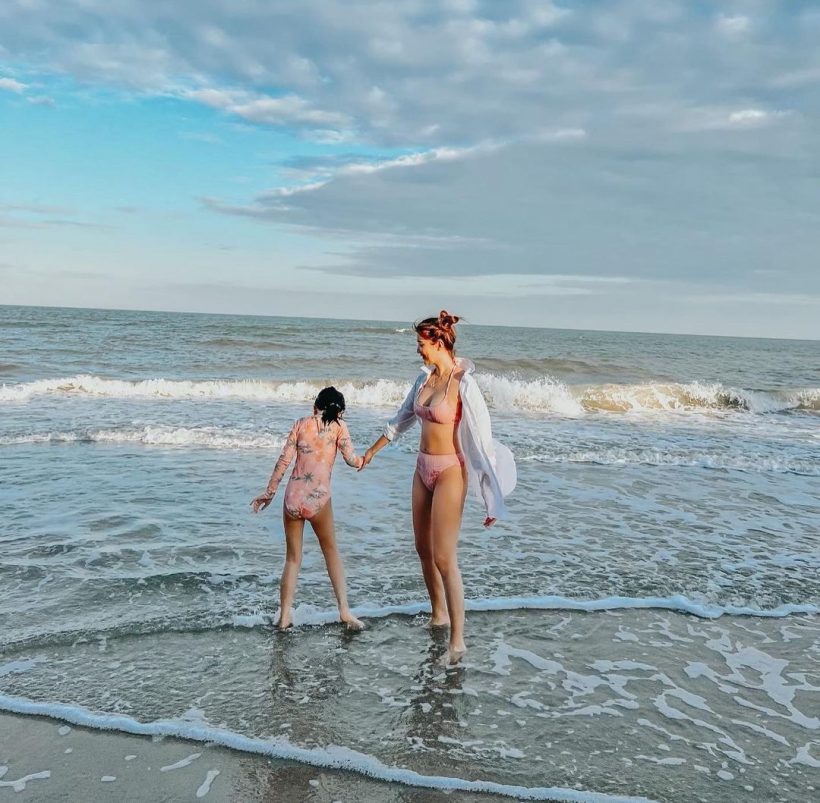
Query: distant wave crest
{"points": [[545, 395], [618, 456], [211, 437]]}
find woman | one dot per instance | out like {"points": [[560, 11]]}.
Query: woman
{"points": [[456, 449]]}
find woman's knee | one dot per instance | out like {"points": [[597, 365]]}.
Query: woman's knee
{"points": [[425, 555], [445, 562]]}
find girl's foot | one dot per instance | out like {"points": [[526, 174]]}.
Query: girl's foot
{"points": [[351, 622], [284, 622], [439, 621]]}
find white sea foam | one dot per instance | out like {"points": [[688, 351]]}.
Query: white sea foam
{"points": [[381, 392], [205, 786], [181, 763], [539, 395], [210, 437], [695, 396], [308, 615], [700, 459], [20, 784], [19, 666], [332, 756], [546, 394]]}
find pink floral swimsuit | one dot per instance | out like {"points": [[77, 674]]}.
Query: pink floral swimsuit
{"points": [[314, 444]]}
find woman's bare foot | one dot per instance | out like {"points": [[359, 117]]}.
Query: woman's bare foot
{"points": [[439, 621], [351, 622], [284, 622]]}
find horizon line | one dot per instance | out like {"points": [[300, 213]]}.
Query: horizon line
{"points": [[410, 323]]}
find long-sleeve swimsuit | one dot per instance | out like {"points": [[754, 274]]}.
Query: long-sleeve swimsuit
{"points": [[314, 444]]}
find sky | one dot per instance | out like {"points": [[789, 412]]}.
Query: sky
{"points": [[638, 165]]}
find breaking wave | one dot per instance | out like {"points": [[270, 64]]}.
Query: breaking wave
{"points": [[545, 395]]}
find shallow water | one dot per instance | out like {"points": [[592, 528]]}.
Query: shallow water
{"points": [[645, 624]]}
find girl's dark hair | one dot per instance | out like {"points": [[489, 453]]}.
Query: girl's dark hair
{"points": [[330, 403], [439, 330]]}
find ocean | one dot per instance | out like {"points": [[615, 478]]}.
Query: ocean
{"points": [[644, 626]]}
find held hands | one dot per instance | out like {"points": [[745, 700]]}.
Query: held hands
{"points": [[366, 458], [261, 502]]}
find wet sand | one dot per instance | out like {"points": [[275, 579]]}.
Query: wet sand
{"points": [[93, 766]]}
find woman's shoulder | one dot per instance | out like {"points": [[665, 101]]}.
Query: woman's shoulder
{"points": [[464, 377], [464, 369]]}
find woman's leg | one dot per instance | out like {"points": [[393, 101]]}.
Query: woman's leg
{"points": [[294, 530], [448, 506], [325, 529], [422, 504]]}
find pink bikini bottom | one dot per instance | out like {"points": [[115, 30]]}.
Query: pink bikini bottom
{"points": [[430, 466]]}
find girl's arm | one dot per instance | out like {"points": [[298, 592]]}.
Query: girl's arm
{"points": [[373, 451], [345, 446], [285, 459]]}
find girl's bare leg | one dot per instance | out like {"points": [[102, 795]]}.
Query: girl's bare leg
{"points": [[325, 529], [448, 506], [422, 528], [294, 530]]}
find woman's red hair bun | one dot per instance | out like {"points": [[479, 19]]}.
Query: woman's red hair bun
{"points": [[447, 320]]}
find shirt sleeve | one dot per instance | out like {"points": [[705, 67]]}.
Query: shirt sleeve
{"points": [[285, 459], [345, 446], [480, 450], [404, 418]]}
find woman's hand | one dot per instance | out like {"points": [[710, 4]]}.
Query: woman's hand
{"points": [[261, 502], [366, 458], [489, 521]]}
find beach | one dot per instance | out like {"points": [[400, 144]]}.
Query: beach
{"points": [[643, 627], [92, 766]]}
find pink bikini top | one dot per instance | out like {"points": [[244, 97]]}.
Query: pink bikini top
{"points": [[444, 411]]}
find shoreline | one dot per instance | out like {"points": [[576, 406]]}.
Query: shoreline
{"points": [[45, 760]]}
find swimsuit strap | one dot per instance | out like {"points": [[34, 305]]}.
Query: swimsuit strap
{"points": [[447, 389]]}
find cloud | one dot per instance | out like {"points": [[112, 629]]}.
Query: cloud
{"points": [[716, 119], [565, 209], [324, 170], [40, 216], [10, 85], [422, 74], [628, 143], [285, 110], [733, 25], [764, 299]]}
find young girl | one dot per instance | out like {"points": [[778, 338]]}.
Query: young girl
{"points": [[314, 441]]}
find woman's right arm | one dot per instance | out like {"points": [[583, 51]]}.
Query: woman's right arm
{"points": [[404, 418], [285, 459]]}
